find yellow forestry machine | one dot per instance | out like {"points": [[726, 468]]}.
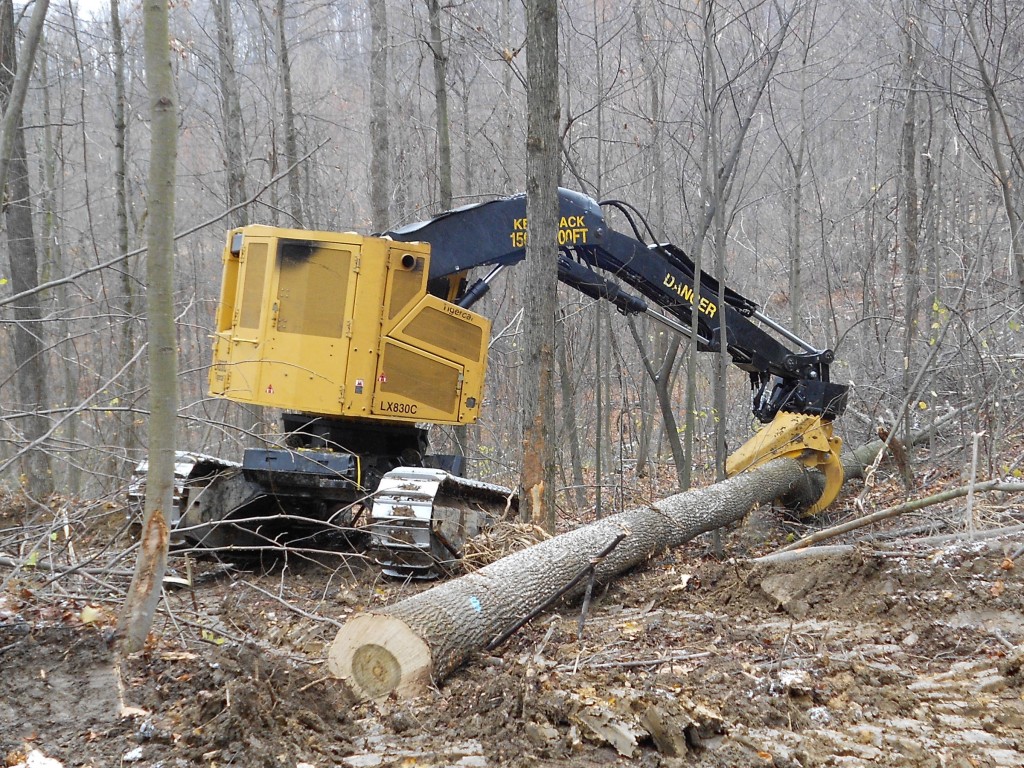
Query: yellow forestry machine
{"points": [[365, 341]]}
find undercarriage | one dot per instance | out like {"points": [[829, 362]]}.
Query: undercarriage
{"points": [[413, 520]]}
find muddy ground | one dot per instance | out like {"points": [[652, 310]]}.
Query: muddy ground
{"points": [[893, 652]]}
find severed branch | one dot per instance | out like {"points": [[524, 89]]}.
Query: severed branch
{"points": [[61, 570], [899, 509], [840, 550], [588, 569]]}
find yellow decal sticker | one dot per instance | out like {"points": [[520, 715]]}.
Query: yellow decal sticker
{"points": [[572, 230], [705, 306]]}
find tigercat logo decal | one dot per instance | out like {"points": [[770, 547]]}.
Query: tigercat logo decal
{"points": [[458, 312]]}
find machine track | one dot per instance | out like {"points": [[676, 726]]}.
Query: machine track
{"points": [[419, 522], [421, 519]]}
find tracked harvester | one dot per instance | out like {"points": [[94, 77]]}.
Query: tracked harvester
{"points": [[364, 342]]}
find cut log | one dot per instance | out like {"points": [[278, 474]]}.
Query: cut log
{"points": [[387, 656], [381, 652], [422, 639]]}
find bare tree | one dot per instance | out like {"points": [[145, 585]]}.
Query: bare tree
{"points": [[380, 118], [720, 160], [441, 117], [129, 298], [140, 604], [1007, 158], [231, 113], [542, 152], [30, 367], [910, 207], [291, 152]]}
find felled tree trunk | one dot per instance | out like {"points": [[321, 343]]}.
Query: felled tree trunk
{"points": [[406, 646], [421, 639]]}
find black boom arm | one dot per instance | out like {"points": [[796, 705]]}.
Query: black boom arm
{"points": [[595, 259]]}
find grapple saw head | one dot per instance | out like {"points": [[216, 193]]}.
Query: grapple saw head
{"points": [[804, 437]]}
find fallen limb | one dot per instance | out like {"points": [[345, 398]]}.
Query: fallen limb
{"points": [[62, 570], [984, 535], [899, 509], [783, 556], [982, 539]]}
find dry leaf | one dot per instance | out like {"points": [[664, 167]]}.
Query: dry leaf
{"points": [[90, 614], [631, 628]]}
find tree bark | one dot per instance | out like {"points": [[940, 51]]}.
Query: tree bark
{"points": [[537, 377], [232, 128], [30, 376], [422, 639], [291, 152], [909, 202], [129, 298], [380, 183], [144, 593], [16, 80], [442, 120], [570, 433], [425, 637], [661, 377]]}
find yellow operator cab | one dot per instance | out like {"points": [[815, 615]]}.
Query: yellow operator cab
{"points": [[339, 324]]}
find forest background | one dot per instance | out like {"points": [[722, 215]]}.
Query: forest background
{"points": [[855, 168]]}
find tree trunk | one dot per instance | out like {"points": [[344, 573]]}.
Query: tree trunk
{"points": [[442, 120], [424, 638], [444, 142], [129, 293], [718, 170], [231, 113], [537, 378], [120, 176], [796, 162], [999, 127], [909, 203], [144, 593], [510, 113], [571, 431], [709, 82], [30, 375], [380, 185], [15, 81], [51, 250], [661, 377], [291, 152]]}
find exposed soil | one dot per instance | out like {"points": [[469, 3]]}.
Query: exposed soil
{"points": [[889, 654]]}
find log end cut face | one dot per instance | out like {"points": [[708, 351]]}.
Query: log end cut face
{"points": [[375, 655]]}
